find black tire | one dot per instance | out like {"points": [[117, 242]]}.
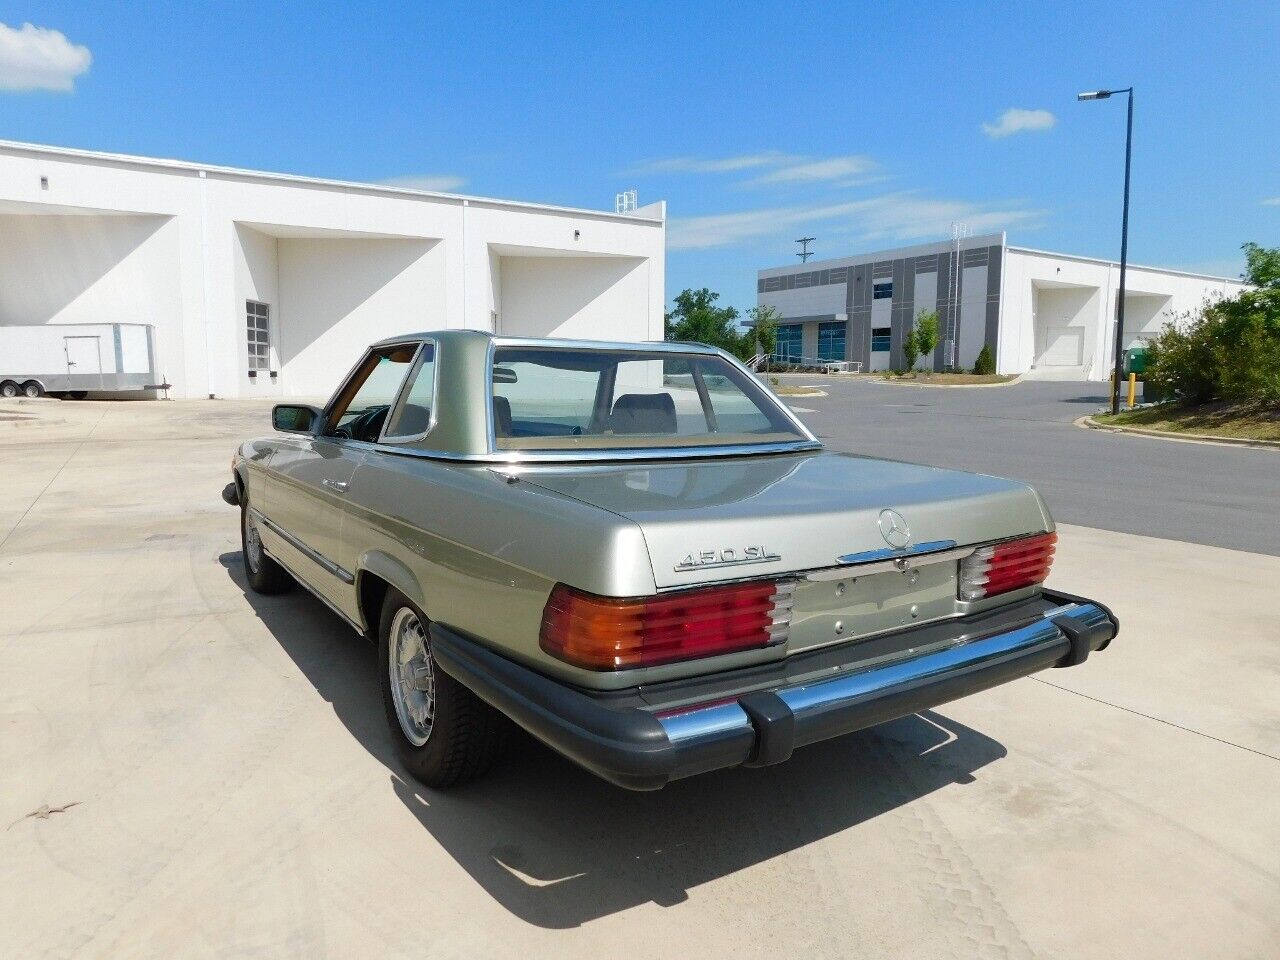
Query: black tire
{"points": [[466, 735], [9, 389], [31, 389], [263, 573]]}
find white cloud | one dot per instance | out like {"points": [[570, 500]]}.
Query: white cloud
{"points": [[746, 161], [1017, 120], [37, 58], [436, 183], [892, 217], [1271, 202], [805, 170]]}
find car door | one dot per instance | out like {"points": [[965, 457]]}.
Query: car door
{"points": [[310, 477]]}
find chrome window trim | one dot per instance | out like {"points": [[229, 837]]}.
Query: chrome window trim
{"points": [[403, 396], [494, 455], [600, 456]]}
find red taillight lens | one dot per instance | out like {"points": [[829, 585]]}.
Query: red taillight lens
{"points": [[1002, 567], [607, 633]]}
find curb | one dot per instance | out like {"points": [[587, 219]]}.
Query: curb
{"points": [[1089, 423], [784, 397], [953, 386]]}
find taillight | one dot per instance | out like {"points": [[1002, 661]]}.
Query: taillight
{"points": [[608, 633], [1002, 567]]}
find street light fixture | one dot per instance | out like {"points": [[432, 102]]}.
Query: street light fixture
{"points": [[1124, 238]]}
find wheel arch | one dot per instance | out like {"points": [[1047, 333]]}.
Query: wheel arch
{"points": [[375, 572]]}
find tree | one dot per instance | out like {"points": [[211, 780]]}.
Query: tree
{"points": [[911, 348], [763, 337], [927, 333], [696, 317], [1229, 349], [1262, 266]]}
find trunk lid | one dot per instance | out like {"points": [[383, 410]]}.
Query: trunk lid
{"points": [[743, 518]]}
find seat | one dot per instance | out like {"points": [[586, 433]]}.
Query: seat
{"points": [[643, 413], [414, 419], [501, 417]]}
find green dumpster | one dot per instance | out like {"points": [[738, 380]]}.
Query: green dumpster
{"points": [[1135, 359]]}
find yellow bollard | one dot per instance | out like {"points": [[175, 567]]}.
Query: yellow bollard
{"points": [[1133, 389]]}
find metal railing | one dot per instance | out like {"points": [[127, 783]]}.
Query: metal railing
{"points": [[785, 363]]}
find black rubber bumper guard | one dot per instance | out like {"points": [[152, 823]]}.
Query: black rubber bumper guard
{"points": [[643, 749]]}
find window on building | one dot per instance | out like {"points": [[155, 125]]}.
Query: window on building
{"points": [[882, 290], [831, 340], [258, 335], [881, 338], [790, 342]]}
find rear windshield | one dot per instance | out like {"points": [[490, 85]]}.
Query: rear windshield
{"points": [[547, 399]]}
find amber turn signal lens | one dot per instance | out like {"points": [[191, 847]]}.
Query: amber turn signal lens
{"points": [[610, 633]]}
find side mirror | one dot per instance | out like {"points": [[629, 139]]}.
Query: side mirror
{"points": [[295, 418]]}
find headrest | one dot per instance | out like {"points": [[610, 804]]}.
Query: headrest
{"points": [[643, 413], [501, 416]]}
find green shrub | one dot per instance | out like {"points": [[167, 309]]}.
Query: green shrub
{"points": [[985, 365], [1230, 350]]}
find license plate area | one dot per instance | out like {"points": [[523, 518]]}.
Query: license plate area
{"points": [[839, 609]]}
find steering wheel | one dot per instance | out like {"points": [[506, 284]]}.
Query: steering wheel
{"points": [[369, 422]]}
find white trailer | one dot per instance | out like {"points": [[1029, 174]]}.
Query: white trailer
{"points": [[77, 358]]}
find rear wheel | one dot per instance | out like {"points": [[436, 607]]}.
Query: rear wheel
{"points": [[263, 573], [9, 389], [444, 733], [31, 389]]}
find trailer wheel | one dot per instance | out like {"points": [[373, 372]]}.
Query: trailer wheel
{"points": [[32, 389], [9, 389]]}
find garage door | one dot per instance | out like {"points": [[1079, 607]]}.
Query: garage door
{"points": [[1062, 346]]}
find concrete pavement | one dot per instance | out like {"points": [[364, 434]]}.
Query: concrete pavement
{"points": [[235, 793]]}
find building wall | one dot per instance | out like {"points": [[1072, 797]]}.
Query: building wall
{"points": [[1030, 307], [921, 281], [589, 298], [108, 238], [1043, 293]]}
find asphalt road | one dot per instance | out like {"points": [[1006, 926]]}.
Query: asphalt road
{"points": [[1202, 493]]}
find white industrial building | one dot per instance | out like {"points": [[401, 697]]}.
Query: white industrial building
{"points": [[1046, 315], [261, 284]]}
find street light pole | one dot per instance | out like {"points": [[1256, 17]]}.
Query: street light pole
{"points": [[1124, 241]]}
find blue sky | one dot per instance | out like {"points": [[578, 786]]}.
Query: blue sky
{"points": [[865, 125]]}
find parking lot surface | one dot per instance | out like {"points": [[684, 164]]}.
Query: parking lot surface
{"points": [[192, 770], [1201, 493]]}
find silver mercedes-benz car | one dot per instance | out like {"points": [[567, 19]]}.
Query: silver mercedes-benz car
{"points": [[639, 555]]}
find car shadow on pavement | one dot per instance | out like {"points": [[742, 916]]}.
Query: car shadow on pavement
{"points": [[558, 847]]}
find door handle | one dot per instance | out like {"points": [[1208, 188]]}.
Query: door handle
{"points": [[337, 486]]}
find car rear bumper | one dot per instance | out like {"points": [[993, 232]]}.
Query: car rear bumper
{"points": [[634, 745]]}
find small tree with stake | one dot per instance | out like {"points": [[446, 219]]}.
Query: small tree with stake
{"points": [[911, 348], [926, 333]]}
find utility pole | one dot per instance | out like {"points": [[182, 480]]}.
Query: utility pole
{"points": [[805, 253]]}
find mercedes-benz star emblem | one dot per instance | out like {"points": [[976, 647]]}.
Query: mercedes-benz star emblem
{"points": [[894, 529]]}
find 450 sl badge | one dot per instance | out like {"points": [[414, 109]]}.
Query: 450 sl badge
{"points": [[725, 557]]}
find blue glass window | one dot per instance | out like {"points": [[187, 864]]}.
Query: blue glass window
{"points": [[881, 337], [831, 337], [882, 290], [790, 342]]}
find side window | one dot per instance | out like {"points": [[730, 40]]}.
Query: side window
{"points": [[412, 417], [361, 406]]}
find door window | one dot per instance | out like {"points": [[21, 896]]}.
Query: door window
{"points": [[360, 409], [412, 415]]}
